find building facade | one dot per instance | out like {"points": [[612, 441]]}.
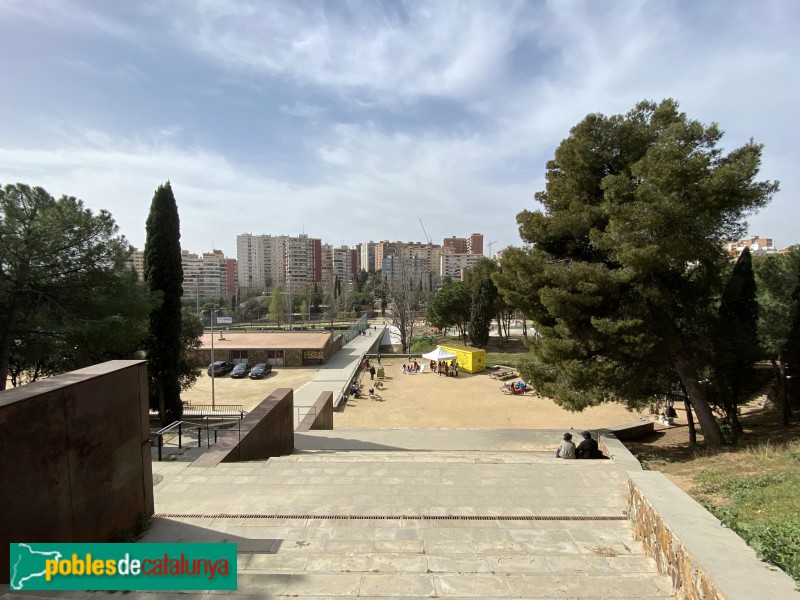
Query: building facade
{"points": [[468, 245], [455, 266], [265, 261]]}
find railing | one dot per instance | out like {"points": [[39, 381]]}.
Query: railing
{"points": [[310, 410], [191, 426], [355, 329], [218, 410]]}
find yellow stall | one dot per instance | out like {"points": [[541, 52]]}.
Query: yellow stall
{"points": [[470, 360]]}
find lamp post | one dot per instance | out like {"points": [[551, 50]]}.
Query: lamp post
{"points": [[212, 313]]}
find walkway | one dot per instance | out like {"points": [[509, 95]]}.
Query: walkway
{"points": [[335, 375]]}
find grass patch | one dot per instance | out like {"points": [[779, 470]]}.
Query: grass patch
{"points": [[507, 359], [754, 490]]}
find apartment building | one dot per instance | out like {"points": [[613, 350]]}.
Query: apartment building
{"points": [[757, 245], [367, 256], [265, 261], [209, 276], [430, 253], [455, 265], [468, 245], [384, 249], [395, 266]]}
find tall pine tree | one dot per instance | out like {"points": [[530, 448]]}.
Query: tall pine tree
{"points": [[163, 273], [624, 257]]}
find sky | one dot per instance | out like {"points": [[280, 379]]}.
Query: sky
{"points": [[355, 121]]}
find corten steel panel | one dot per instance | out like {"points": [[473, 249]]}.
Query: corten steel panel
{"points": [[265, 432], [35, 503], [144, 444], [104, 440], [72, 453]]}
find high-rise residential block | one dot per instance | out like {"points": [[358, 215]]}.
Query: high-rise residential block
{"points": [[458, 245], [265, 261]]}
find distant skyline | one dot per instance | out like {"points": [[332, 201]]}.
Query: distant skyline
{"points": [[351, 121]]}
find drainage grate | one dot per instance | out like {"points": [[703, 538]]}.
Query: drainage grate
{"points": [[398, 517]]}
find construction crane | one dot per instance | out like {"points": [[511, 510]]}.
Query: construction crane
{"points": [[425, 232], [490, 244]]}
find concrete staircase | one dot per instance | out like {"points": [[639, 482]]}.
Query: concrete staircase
{"points": [[424, 522]]}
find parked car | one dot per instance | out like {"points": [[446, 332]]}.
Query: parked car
{"points": [[240, 370], [260, 371], [220, 368]]}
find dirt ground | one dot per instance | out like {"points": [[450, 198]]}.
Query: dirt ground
{"points": [[468, 401], [421, 401]]}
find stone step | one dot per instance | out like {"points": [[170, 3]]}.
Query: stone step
{"points": [[448, 522]]}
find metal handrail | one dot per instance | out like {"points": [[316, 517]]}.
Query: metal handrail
{"points": [[170, 427], [179, 424]]}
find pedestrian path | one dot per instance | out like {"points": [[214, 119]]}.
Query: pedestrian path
{"points": [[335, 375]]}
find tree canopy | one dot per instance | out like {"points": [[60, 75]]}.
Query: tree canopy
{"points": [[450, 307], [64, 286], [622, 272], [778, 278]]}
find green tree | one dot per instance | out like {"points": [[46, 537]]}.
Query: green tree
{"points": [[451, 307], [482, 312], [276, 306], [624, 261], [777, 278], [163, 273], [191, 334], [58, 262], [736, 347], [791, 353]]}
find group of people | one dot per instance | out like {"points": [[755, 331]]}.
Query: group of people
{"points": [[588, 448], [445, 368], [412, 368]]}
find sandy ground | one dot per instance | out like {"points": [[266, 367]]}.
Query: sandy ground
{"points": [[421, 401], [468, 401], [247, 392]]}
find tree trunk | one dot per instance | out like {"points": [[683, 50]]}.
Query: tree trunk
{"points": [[690, 421], [781, 399], [162, 407], [709, 425], [6, 338]]}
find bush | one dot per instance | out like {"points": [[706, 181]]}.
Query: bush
{"points": [[775, 542]]}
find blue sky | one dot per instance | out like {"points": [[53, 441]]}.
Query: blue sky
{"points": [[351, 121]]}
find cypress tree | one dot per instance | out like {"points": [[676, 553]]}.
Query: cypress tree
{"points": [[736, 342], [163, 274], [482, 312]]}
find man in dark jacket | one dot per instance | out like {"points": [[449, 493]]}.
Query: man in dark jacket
{"points": [[588, 447]]}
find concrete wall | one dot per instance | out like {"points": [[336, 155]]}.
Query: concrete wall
{"points": [[320, 416], [267, 431], [705, 560], [75, 457]]}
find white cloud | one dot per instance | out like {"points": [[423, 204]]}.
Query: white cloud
{"points": [[446, 48]]}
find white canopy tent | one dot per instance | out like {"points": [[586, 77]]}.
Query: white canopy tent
{"points": [[438, 355]]}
